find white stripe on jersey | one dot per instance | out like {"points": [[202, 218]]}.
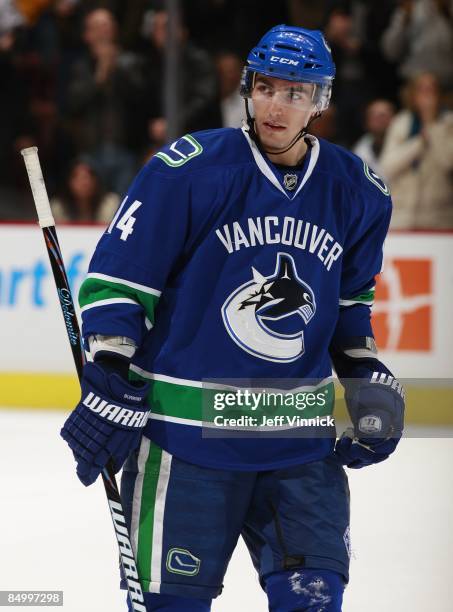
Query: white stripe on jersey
{"points": [[138, 489], [158, 523], [108, 302], [266, 170]]}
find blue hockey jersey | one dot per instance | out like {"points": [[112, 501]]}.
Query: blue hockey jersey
{"points": [[220, 265]]}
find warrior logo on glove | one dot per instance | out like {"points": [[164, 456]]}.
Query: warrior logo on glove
{"points": [[386, 379], [115, 413]]}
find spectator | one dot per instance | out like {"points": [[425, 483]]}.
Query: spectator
{"points": [[10, 18], [307, 13], [229, 70], [353, 29], [417, 159], [106, 102], [82, 198], [28, 114], [420, 38], [31, 10], [12, 110], [351, 86], [66, 8], [378, 116], [218, 24], [198, 89]]}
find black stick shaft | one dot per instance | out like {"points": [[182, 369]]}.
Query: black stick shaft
{"points": [[47, 224], [108, 475], [65, 297]]}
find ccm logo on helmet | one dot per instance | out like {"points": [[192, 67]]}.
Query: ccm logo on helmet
{"points": [[284, 60]]}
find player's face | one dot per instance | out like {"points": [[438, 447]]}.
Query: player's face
{"points": [[282, 108]]}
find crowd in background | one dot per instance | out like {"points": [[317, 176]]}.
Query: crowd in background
{"points": [[83, 81]]}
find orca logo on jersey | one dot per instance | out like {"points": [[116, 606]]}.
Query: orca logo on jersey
{"points": [[181, 151], [182, 561], [266, 315], [375, 179]]}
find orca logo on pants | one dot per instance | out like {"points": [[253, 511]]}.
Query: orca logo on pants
{"points": [[182, 561], [266, 316]]}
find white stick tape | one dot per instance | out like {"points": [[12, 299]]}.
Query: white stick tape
{"points": [[38, 186]]}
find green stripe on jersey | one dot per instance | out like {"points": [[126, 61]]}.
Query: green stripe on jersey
{"points": [[174, 400], [94, 290], [196, 404], [366, 298]]}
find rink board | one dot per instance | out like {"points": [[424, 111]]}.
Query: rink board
{"points": [[411, 317], [425, 405]]}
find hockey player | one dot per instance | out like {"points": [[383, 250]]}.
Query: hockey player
{"points": [[240, 253]]}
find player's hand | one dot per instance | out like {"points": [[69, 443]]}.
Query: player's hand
{"points": [[107, 422], [377, 413]]}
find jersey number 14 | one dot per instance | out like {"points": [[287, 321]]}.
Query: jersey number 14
{"points": [[125, 223]]}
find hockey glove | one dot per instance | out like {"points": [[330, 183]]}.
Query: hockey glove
{"points": [[376, 408], [107, 422]]}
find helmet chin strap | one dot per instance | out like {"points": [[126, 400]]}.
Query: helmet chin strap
{"points": [[254, 136]]}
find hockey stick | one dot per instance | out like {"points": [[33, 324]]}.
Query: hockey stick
{"points": [[47, 224]]}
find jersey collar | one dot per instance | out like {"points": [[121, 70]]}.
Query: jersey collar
{"points": [[269, 174]]}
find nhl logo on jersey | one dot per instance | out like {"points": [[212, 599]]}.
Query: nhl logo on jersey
{"points": [[290, 181], [267, 315]]}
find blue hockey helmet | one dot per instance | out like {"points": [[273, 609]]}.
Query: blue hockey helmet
{"points": [[293, 54]]}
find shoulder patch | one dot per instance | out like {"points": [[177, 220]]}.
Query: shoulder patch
{"points": [[375, 179], [181, 151]]}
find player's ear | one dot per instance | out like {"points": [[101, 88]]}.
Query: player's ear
{"points": [[315, 114]]}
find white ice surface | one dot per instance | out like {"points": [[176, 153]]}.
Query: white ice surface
{"points": [[56, 534]]}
